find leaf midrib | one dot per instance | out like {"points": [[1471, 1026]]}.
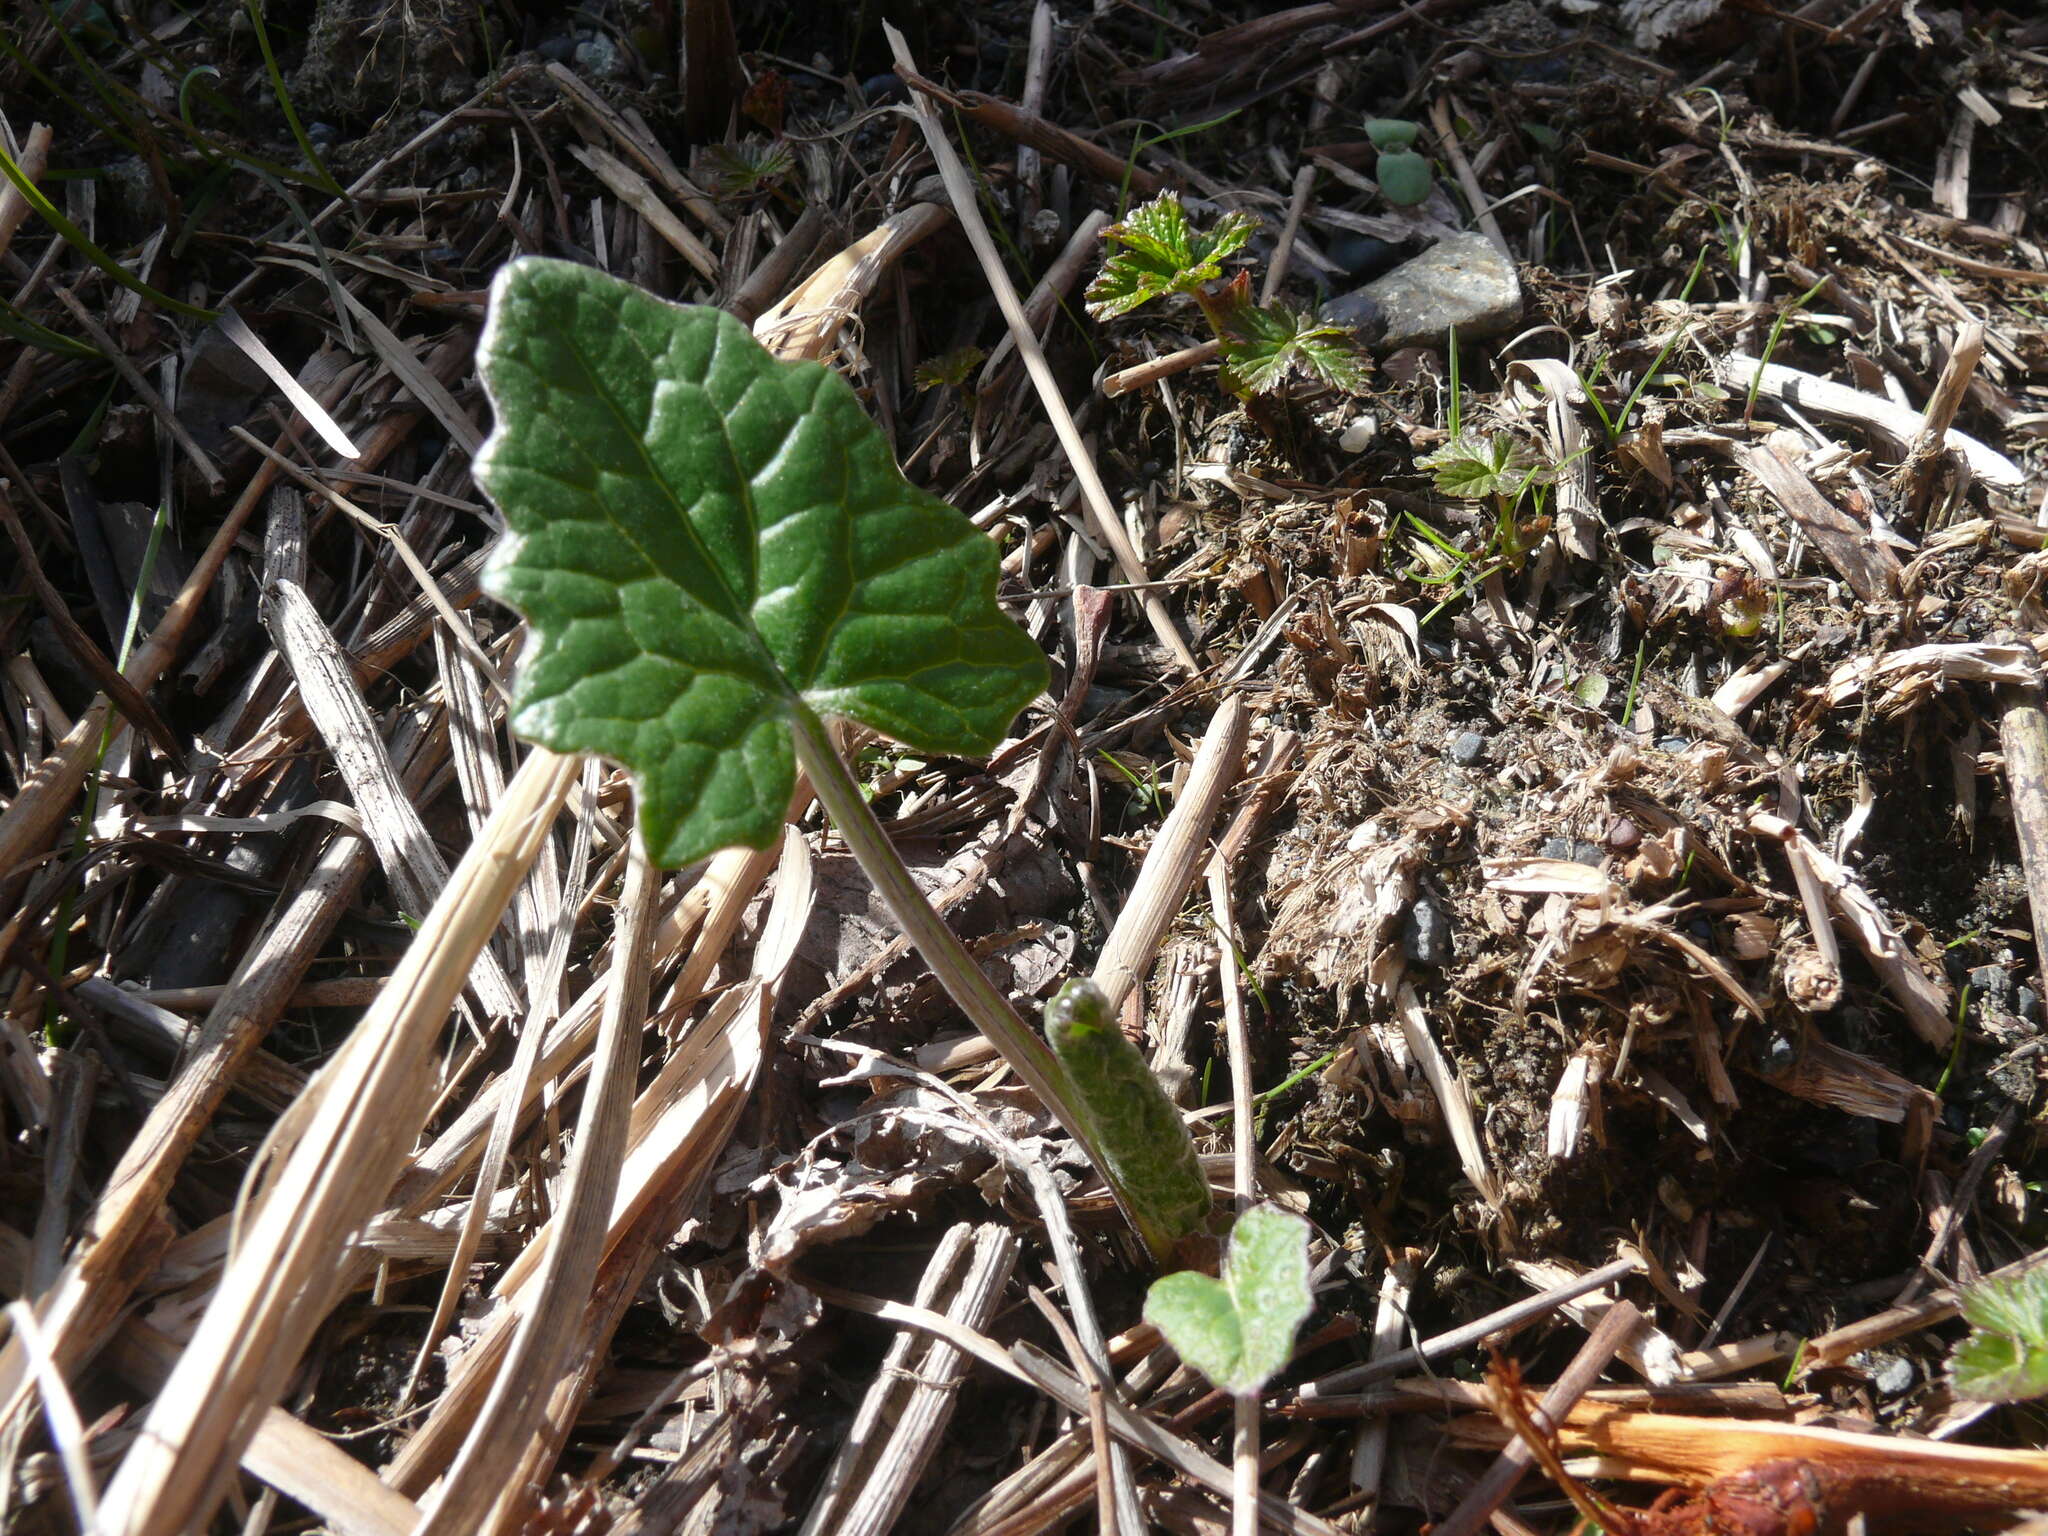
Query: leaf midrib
{"points": [[771, 669]]}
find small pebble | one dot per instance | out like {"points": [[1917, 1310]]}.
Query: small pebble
{"points": [[1622, 834], [597, 56], [1426, 933], [1672, 744], [1992, 981], [1577, 849], [1468, 749], [2026, 1002], [1364, 257], [1776, 1055], [1358, 434], [1890, 1375]]}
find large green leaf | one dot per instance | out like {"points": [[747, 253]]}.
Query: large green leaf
{"points": [[1239, 1331], [701, 535]]}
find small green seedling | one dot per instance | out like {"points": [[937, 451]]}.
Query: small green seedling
{"points": [[1500, 469], [713, 549], [1403, 175], [1156, 253], [2004, 1358], [751, 167], [1239, 1331], [1137, 1127], [1265, 344], [954, 370]]}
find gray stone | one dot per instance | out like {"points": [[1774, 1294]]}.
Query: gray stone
{"points": [[1891, 1375], [1463, 281], [2027, 1004], [1426, 933], [1992, 981], [597, 56], [1468, 749], [1577, 849]]}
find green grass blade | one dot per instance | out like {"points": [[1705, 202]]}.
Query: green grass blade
{"points": [[77, 238], [284, 100]]}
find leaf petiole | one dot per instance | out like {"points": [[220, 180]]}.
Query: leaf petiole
{"points": [[964, 980]]}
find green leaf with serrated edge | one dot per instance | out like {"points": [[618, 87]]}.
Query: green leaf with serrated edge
{"points": [[1265, 344], [2014, 1304], [700, 536], [1137, 1129], [1239, 1331], [1993, 1367], [1473, 468], [2005, 1357], [1156, 251]]}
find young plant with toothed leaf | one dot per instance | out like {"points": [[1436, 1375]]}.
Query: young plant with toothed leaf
{"points": [[2004, 1358], [1156, 253], [713, 549]]}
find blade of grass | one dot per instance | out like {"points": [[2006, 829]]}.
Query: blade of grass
{"points": [[1777, 329], [1620, 423], [284, 101], [82, 839], [327, 273], [26, 331], [76, 238]]}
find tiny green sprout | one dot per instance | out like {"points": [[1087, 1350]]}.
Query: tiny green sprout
{"points": [[740, 171], [1475, 468], [1156, 252], [949, 369], [1493, 467], [1239, 1331], [2004, 1358], [1404, 176]]}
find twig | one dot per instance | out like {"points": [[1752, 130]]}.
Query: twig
{"points": [[1141, 374], [1482, 210], [2023, 732], [1102, 515], [1898, 423], [1351, 1378], [1930, 443], [277, 1288], [1175, 857], [1507, 1469]]}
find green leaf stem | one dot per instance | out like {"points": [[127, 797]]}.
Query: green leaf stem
{"points": [[1135, 1127]]}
